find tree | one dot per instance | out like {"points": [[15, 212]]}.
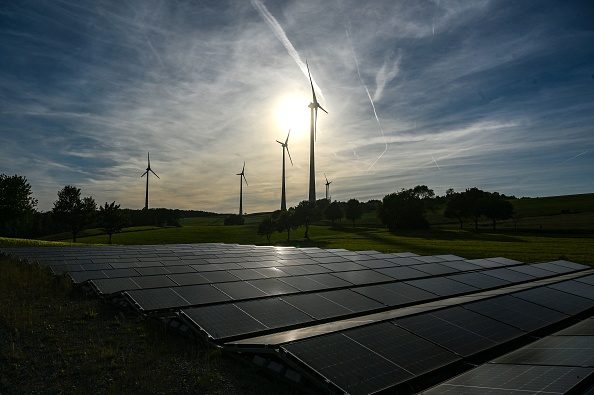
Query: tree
{"points": [[456, 207], [305, 214], [266, 228], [354, 210], [406, 209], [284, 221], [72, 211], [475, 200], [333, 211], [16, 204], [497, 208], [112, 219]]}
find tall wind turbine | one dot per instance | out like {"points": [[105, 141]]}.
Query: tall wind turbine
{"points": [[148, 169], [314, 105], [241, 175], [285, 146], [327, 186]]}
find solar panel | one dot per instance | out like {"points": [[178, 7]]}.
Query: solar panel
{"points": [[273, 286], [223, 320], [201, 294], [585, 327], [508, 275], [363, 277], [394, 294], [442, 286], [463, 266], [376, 263], [303, 283], [154, 281], [274, 312], [219, 276], [156, 299], [351, 300], [554, 351], [461, 331], [532, 270], [272, 272], [108, 286], [239, 290], [586, 279], [485, 263], [574, 287], [408, 351], [188, 278], [500, 379], [478, 280], [402, 272], [435, 269], [516, 312], [81, 277], [343, 266], [556, 300], [504, 261], [316, 306], [552, 267], [347, 364], [571, 265], [328, 280]]}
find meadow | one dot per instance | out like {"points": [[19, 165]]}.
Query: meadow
{"points": [[544, 229]]}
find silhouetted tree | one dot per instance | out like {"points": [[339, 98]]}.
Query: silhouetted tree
{"points": [[333, 211], [475, 200], [405, 209], [112, 219], [266, 228], [16, 204], [354, 210], [72, 211], [305, 214], [457, 206], [284, 221], [496, 208]]}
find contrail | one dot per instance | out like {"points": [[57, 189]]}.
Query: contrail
{"points": [[435, 162], [585, 152], [280, 34], [368, 95]]}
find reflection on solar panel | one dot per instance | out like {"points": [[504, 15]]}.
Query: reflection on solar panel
{"points": [[356, 321], [499, 379]]}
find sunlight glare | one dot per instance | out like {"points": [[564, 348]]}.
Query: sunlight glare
{"points": [[292, 113]]}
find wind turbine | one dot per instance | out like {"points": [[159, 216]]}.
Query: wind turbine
{"points": [[283, 194], [314, 105], [327, 186], [148, 169], [242, 174]]}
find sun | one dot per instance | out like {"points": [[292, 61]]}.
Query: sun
{"points": [[292, 113]]}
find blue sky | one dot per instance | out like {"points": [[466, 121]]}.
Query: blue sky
{"points": [[497, 95]]}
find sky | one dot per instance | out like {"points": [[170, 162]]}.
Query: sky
{"points": [[497, 95]]}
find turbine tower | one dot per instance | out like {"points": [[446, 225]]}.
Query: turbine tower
{"points": [[327, 187], [314, 105], [241, 175], [285, 146], [148, 169]]}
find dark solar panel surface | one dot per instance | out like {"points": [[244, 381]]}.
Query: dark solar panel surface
{"points": [[516, 312], [442, 286], [501, 379], [557, 300], [394, 294], [223, 320], [459, 330], [554, 351]]}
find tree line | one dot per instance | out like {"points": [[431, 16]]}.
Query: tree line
{"points": [[72, 212], [406, 209]]}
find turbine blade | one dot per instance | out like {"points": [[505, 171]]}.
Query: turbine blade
{"points": [[321, 108], [281, 143], [143, 174], [242, 170], [287, 140], [326, 177], [288, 152], [155, 174], [244, 179], [148, 156], [313, 92]]}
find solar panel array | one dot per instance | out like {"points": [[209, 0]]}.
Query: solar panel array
{"points": [[348, 321]]}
